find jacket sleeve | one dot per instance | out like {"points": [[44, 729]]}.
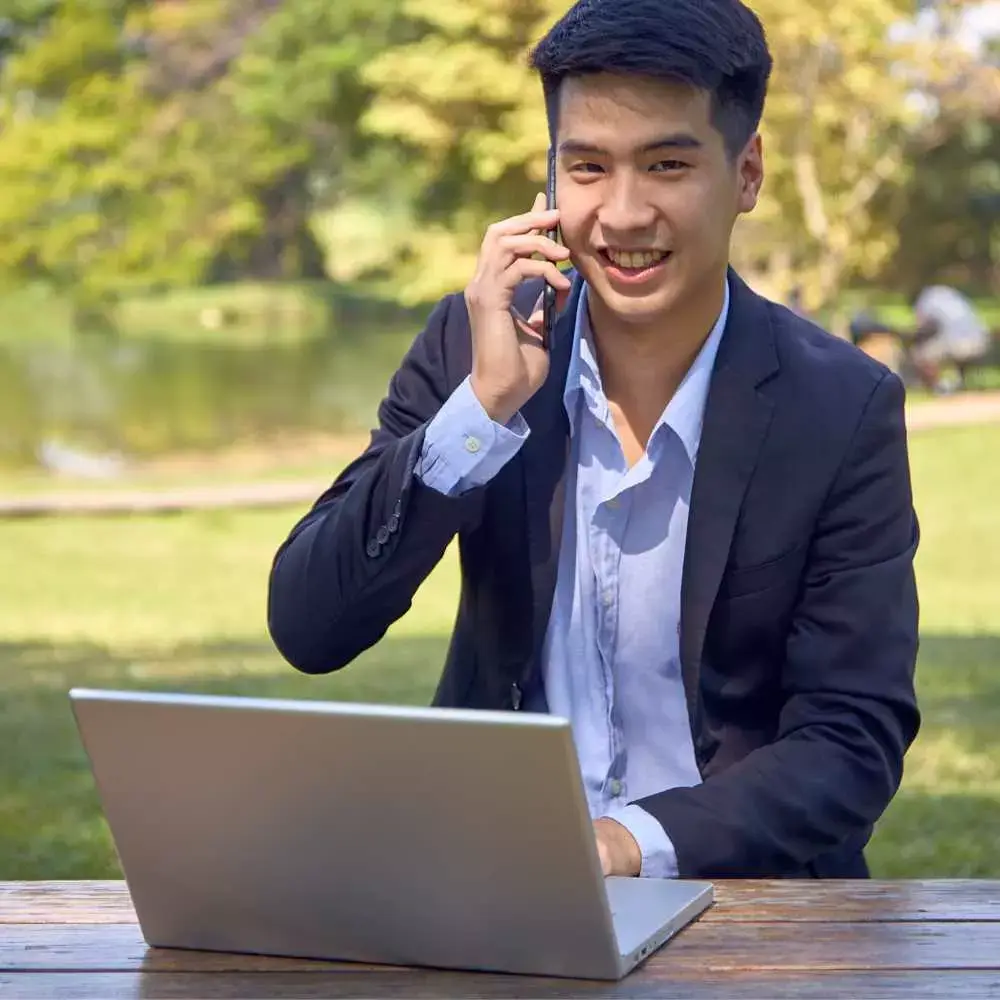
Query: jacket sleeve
{"points": [[849, 711], [351, 566]]}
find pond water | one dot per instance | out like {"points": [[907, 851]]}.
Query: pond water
{"points": [[145, 396]]}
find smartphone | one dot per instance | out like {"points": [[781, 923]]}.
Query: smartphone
{"points": [[549, 297]]}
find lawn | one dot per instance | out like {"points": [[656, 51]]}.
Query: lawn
{"points": [[178, 603]]}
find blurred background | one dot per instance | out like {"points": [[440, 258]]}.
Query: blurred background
{"points": [[222, 222]]}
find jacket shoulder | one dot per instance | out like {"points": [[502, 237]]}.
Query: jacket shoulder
{"points": [[823, 366]]}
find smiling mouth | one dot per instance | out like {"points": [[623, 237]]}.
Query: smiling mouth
{"points": [[634, 264], [635, 260]]}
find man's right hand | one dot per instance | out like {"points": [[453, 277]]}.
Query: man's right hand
{"points": [[509, 359]]}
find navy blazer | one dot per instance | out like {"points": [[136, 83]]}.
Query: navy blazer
{"points": [[799, 606]]}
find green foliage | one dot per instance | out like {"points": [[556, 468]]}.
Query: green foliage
{"points": [[148, 145], [137, 152]]}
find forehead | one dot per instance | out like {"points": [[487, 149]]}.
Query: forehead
{"points": [[603, 107]]}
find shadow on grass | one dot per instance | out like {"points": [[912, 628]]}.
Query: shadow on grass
{"points": [[945, 822], [50, 821]]}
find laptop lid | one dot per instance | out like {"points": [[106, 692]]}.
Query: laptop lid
{"points": [[417, 836]]}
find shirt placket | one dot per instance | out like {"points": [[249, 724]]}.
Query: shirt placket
{"points": [[609, 521]]}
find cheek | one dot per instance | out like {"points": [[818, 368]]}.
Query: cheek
{"points": [[702, 213], [577, 217]]}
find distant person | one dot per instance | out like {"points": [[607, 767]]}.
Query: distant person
{"points": [[686, 525], [948, 332]]}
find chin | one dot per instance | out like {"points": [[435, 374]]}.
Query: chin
{"points": [[675, 292], [637, 308]]}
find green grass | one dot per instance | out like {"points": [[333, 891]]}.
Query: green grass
{"points": [[177, 603]]}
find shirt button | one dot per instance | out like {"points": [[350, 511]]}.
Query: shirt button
{"points": [[615, 787], [609, 598], [472, 445]]}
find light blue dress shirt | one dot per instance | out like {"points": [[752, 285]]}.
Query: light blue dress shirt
{"points": [[611, 660]]}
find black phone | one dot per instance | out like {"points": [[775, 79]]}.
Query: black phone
{"points": [[549, 295]]}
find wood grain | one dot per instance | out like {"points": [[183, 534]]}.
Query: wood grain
{"points": [[761, 939], [702, 947], [852, 901], [935, 985]]}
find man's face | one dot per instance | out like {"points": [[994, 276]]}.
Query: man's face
{"points": [[647, 195]]}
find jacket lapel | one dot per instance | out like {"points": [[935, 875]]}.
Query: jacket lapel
{"points": [[736, 420], [735, 424]]}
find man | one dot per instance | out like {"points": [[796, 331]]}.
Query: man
{"points": [[948, 332], [688, 527]]}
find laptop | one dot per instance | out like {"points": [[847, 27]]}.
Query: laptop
{"points": [[432, 837]]}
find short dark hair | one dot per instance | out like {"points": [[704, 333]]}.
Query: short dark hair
{"points": [[713, 45]]}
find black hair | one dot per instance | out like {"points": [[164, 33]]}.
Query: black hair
{"points": [[714, 45]]}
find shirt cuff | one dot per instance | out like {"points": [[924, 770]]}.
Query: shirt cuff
{"points": [[463, 448], [659, 859]]}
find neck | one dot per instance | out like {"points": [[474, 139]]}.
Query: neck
{"points": [[642, 365]]}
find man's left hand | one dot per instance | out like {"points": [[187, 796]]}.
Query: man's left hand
{"points": [[618, 850]]}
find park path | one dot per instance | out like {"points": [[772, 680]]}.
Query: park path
{"points": [[951, 411]]}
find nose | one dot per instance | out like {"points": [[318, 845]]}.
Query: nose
{"points": [[625, 209]]}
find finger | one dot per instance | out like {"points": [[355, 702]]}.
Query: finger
{"points": [[526, 245], [538, 205], [602, 853], [540, 219], [527, 267]]}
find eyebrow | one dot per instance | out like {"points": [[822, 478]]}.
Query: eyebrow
{"points": [[677, 140]]}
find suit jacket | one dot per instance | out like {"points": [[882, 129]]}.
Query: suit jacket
{"points": [[799, 607]]}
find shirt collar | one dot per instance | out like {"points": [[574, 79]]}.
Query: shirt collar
{"points": [[685, 411]]}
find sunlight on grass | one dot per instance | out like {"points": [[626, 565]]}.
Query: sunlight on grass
{"points": [[177, 603]]}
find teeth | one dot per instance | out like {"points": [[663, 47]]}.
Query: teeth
{"points": [[630, 259]]}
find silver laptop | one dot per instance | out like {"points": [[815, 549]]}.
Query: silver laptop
{"points": [[404, 836]]}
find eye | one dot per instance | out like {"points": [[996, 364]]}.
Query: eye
{"points": [[586, 168], [668, 166]]}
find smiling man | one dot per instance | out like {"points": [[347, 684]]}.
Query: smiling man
{"points": [[686, 526]]}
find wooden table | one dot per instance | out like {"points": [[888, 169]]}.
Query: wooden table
{"points": [[761, 939]]}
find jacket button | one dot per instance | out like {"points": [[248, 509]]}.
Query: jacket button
{"points": [[373, 549], [382, 535], [515, 696]]}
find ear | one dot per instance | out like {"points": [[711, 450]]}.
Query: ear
{"points": [[750, 174]]}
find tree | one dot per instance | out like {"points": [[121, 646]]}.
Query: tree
{"points": [[104, 182], [165, 143], [19, 19], [837, 127], [948, 216], [853, 86], [467, 109]]}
